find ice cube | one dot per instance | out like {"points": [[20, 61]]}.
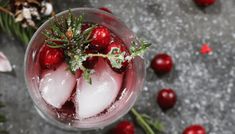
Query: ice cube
{"points": [[92, 99], [5, 65], [57, 86]]}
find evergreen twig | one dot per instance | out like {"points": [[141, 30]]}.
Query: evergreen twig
{"points": [[149, 125], [8, 25]]}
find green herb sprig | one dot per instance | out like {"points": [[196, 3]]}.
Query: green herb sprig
{"points": [[149, 125], [65, 33], [8, 25]]}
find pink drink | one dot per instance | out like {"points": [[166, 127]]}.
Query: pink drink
{"points": [[72, 97], [69, 101]]}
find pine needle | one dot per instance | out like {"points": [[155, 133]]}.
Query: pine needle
{"points": [[8, 25]]}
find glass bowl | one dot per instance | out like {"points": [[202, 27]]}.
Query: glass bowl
{"points": [[133, 86]]}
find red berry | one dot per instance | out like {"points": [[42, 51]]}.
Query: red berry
{"points": [[205, 49], [195, 129], [122, 49], [105, 9], [204, 2], [50, 57], [101, 37], [90, 62], [166, 99], [162, 64], [124, 127], [78, 73]]}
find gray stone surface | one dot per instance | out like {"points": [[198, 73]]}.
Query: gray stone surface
{"points": [[204, 83]]}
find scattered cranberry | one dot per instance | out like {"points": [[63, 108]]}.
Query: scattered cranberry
{"points": [[194, 129], [105, 9], [122, 49], [166, 99], [204, 2], [90, 62], [50, 57], [114, 45], [124, 127], [205, 49], [101, 37], [162, 64]]}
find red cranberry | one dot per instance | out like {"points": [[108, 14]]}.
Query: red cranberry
{"points": [[124, 127], [204, 2], [114, 45], [50, 57], [101, 37], [166, 99], [78, 73], [90, 62], [105, 9], [122, 49], [195, 129], [162, 64]]}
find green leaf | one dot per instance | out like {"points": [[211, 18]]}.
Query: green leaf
{"points": [[138, 51], [149, 125], [77, 26], [57, 31], [116, 58], [69, 19], [87, 75], [158, 126], [140, 120], [87, 32], [8, 25], [146, 117]]}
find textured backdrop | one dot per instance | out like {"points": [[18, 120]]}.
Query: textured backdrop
{"points": [[205, 84]]}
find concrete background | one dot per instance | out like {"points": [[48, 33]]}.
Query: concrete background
{"points": [[204, 83]]}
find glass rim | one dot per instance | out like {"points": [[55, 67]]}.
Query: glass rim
{"points": [[96, 125]]}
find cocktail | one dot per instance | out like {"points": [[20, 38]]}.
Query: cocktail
{"points": [[83, 69]]}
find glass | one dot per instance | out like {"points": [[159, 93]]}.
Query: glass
{"points": [[133, 85]]}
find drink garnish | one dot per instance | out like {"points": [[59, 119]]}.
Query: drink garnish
{"points": [[67, 34]]}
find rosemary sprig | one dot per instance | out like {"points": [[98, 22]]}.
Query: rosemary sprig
{"points": [[74, 42], [8, 25], [149, 126]]}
